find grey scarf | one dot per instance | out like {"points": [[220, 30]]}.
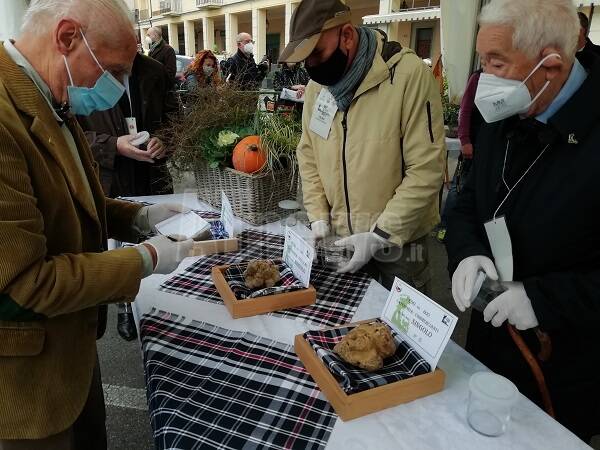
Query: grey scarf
{"points": [[344, 90]]}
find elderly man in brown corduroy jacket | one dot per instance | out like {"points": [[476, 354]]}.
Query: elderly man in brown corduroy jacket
{"points": [[54, 223]]}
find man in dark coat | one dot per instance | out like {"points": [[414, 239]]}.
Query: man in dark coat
{"points": [[537, 170], [585, 44], [162, 52], [241, 69], [126, 170]]}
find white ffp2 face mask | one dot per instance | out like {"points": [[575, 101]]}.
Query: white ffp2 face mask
{"points": [[249, 48], [499, 98]]}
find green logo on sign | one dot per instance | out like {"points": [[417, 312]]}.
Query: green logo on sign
{"points": [[397, 318]]}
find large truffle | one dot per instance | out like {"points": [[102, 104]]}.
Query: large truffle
{"points": [[366, 346], [261, 274]]}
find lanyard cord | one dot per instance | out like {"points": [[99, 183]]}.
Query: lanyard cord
{"points": [[510, 190]]}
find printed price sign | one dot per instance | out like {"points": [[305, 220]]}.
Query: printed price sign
{"points": [[298, 254], [227, 217], [424, 324]]}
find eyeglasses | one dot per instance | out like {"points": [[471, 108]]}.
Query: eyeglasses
{"points": [[247, 41]]}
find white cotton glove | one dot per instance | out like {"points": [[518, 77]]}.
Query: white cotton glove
{"points": [[320, 229], [465, 275], [513, 305], [365, 246], [169, 254], [149, 216]]}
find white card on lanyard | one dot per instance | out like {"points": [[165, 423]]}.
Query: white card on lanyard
{"points": [[131, 122], [323, 114], [499, 238], [131, 125]]}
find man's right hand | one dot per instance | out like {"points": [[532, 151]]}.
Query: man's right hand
{"points": [[465, 276], [166, 254], [467, 151], [124, 148]]}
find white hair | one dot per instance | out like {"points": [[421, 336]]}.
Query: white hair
{"points": [[156, 30], [241, 37], [537, 24], [94, 15]]}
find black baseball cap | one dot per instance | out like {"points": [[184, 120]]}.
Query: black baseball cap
{"points": [[310, 19]]}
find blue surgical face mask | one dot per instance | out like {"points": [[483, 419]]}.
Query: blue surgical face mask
{"points": [[104, 95]]}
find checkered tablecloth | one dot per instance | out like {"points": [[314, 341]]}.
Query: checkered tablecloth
{"points": [[338, 295], [406, 363], [211, 388], [234, 276]]}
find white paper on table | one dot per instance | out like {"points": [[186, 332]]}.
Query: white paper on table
{"points": [[426, 325], [186, 225], [298, 254], [291, 95], [227, 217]]}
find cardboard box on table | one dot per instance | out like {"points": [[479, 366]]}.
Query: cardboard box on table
{"points": [[352, 406], [260, 305], [205, 248]]}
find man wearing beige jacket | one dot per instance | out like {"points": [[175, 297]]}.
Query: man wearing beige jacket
{"points": [[55, 272], [372, 149]]}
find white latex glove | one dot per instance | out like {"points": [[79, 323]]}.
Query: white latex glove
{"points": [[320, 229], [365, 246], [169, 254], [149, 216], [465, 275], [513, 305]]}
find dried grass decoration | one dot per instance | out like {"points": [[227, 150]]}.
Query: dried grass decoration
{"points": [[215, 119]]}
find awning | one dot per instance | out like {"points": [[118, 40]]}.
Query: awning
{"points": [[404, 16]]}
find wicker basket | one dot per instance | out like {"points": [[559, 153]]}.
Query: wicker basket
{"points": [[254, 198]]}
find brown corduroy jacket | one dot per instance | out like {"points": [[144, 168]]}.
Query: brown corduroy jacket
{"points": [[54, 272]]}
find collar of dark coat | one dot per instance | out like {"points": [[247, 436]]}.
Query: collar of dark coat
{"points": [[581, 114], [27, 99]]}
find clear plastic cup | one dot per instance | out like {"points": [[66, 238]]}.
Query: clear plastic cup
{"points": [[491, 399], [333, 256], [484, 291]]}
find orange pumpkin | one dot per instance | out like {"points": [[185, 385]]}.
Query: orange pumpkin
{"points": [[248, 156]]}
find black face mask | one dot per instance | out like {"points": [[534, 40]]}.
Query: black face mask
{"points": [[330, 72]]}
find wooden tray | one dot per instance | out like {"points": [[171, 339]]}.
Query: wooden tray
{"points": [[260, 305], [204, 248], [352, 406]]}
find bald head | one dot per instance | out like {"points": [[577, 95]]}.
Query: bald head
{"points": [[53, 36], [154, 33], [243, 39]]}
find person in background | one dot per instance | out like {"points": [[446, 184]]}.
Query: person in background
{"points": [[584, 43], [203, 71], [241, 69], [162, 52], [528, 213], [291, 76], [126, 170], [56, 275], [469, 122], [372, 162]]}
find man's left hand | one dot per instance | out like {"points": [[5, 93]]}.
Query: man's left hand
{"points": [[156, 148], [149, 216], [365, 246], [513, 305]]}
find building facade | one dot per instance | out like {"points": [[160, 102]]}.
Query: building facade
{"points": [[193, 25]]}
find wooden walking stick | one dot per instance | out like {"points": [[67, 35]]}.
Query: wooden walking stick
{"points": [[543, 355]]}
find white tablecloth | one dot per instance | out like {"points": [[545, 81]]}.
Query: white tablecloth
{"points": [[434, 422]]}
